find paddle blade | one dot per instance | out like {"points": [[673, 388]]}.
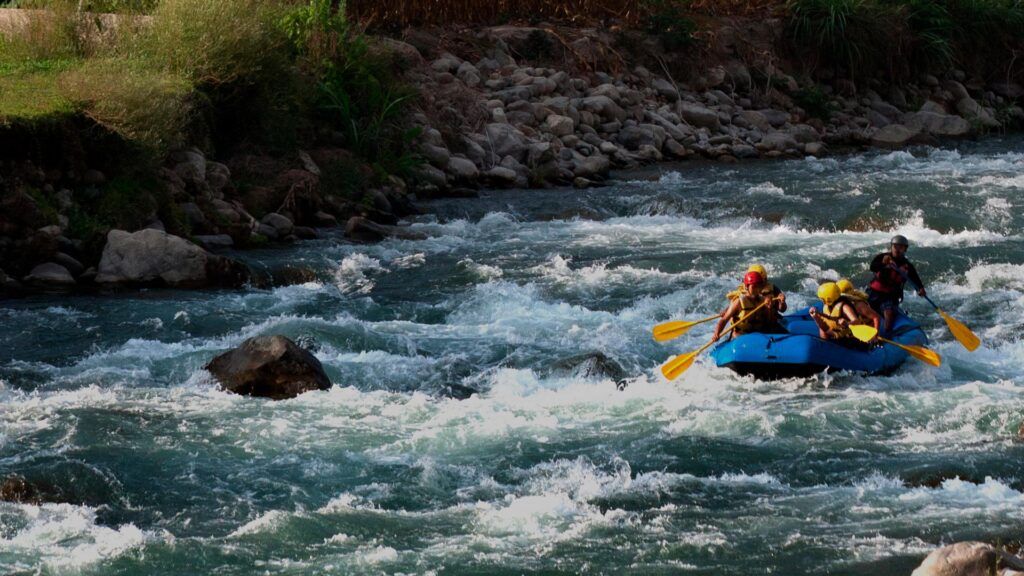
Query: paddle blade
{"points": [[863, 332], [676, 366], [669, 330], [923, 354], [962, 333]]}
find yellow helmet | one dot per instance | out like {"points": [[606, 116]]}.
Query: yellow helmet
{"points": [[759, 269], [845, 286], [829, 292]]}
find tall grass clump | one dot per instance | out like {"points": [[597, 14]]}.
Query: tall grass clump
{"points": [[147, 106], [359, 93], [215, 42], [849, 34]]}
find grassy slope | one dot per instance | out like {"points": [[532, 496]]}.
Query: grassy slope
{"points": [[29, 90]]}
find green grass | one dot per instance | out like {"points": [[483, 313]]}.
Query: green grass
{"points": [[31, 89]]}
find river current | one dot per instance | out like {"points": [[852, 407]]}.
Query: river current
{"points": [[462, 436]]}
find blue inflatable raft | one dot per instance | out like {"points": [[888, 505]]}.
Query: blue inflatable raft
{"points": [[800, 352]]}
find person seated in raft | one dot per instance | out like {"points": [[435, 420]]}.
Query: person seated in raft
{"points": [[837, 315], [768, 289], [859, 300], [742, 309], [886, 289]]}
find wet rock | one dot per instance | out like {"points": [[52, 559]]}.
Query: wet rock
{"points": [[432, 176], [591, 365], [970, 109], [894, 136], [504, 140], [70, 262], [755, 119], [777, 118], [700, 116], [291, 275], [50, 274], [943, 125], [151, 256], [281, 224], [778, 141], [269, 367], [463, 170], [817, 149], [360, 229], [305, 233], [591, 167], [970, 559], [16, 488], [214, 241]]}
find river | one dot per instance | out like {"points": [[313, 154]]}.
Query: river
{"points": [[542, 469]]}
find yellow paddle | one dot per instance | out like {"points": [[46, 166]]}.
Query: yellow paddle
{"points": [[866, 333], [679, 364], [669, 330], [960, 331]]}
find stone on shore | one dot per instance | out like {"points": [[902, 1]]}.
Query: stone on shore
{"points": [[894, 136], [269, 367], [970, 559], [50, 274], [154, 257]]}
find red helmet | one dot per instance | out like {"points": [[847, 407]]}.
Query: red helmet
{"points": [[752, 278]]}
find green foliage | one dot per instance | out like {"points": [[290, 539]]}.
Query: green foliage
{"points": [[858, 35], [669, 21], [814, 101], [358, 93], [125, 204]]}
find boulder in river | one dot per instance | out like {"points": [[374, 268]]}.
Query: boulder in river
{"points": [[591, 365], [970, 559], [269, 367], [156, 257]]}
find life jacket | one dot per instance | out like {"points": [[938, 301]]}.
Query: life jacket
{"points": [[753, 321], [888, 280], [832, 314], [767, 290]]}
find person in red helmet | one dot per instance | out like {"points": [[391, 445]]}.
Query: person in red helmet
{"points": [[745, 308]]}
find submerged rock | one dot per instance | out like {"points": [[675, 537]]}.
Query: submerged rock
{"points": [[970, 559], [269, 367], [591, 365]]}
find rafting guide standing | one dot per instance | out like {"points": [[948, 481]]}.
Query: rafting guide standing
{"points": [[891, 270]]}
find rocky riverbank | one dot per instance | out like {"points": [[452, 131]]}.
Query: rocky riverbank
{"points": [[499, 107]]}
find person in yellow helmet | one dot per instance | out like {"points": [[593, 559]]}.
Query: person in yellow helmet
{"points": [[859, 300], [745, 309], [836, 316], [779, 304]]}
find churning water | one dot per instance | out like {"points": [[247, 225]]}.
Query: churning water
{"points": [[462, 436]]}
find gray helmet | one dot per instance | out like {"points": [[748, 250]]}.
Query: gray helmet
{"points": [[899, 240]]}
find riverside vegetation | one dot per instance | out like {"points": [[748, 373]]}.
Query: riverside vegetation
{"points": [[239, 123]]}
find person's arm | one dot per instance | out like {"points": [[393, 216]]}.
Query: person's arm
{"points": [[734, 306], [878, 263], [780, 297], [912, 274]]}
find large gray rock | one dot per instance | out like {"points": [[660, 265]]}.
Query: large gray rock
{"points": [[945, 125], [970, 559], [50, 274], [970, 109], [591, 167], [190, 165], [894, 136], [504, 140], [269, 367], [633, 137], [779, 141], [700, 116], [665, 89], [603, 106], [282, 224], [559, 125], [755, 119], [152, 256], [776, 118], [463, 170]]}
